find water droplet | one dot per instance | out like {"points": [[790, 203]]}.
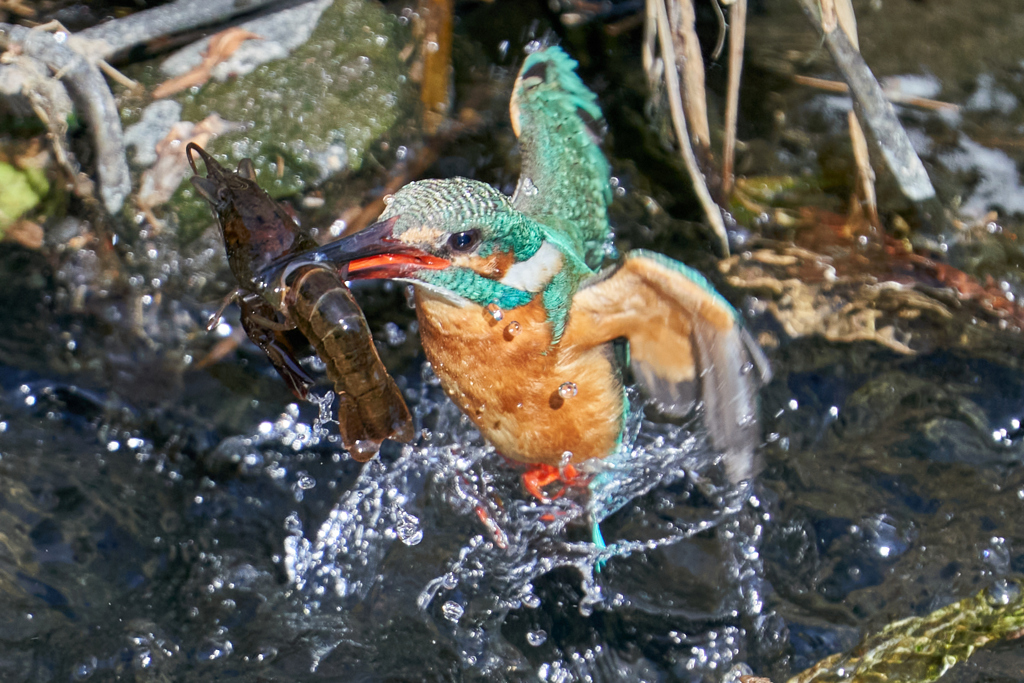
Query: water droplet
{"points": [[306, 482], [536, 638], [495, 311], [513, 329], [212, 649], [388, 198], [408, 529], [85, 670], [531, 601], [567, 390], [452, 610], [337, 227], [1002, 592], [364, 449], [393, 334], [566, 458], [528, 188], [292, 524]]}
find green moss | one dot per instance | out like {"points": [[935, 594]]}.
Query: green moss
{"points": [[20, 190], [921, 649], [193, 213], [317, 111], [341, 90]]}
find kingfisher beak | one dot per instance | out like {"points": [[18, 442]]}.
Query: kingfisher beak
{"points": [[373, 252]]}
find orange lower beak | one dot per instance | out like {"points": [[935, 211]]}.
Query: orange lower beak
{"points": [[393, 265]]}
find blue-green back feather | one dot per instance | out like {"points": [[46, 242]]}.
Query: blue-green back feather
{"points": [[564, 182]]}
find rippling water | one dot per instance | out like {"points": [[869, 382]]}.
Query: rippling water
{"points": [[161, 522], [427, 559], [136, 548]]}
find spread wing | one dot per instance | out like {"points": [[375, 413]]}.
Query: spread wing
{"points": [[685, 341], [564, 180]]}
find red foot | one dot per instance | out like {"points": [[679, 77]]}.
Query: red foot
{"points": [[539, 476]]}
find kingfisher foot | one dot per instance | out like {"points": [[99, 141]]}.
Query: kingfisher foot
{"points": [[539, 476]]}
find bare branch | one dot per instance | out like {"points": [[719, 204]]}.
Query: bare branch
{"points": [[92, 97], [668, 55], [687, 46], [737, 36], [107, 39], [891, 93], [875, 110]]}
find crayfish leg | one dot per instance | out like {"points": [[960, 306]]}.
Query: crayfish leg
{"points": [[275, 343]]}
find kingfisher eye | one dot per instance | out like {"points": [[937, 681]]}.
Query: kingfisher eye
{"points": [[464, 241]]}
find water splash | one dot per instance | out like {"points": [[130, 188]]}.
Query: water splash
{"points": [[518, 539]]}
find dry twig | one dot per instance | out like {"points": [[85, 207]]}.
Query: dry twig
{"points": [[874, 109], [711, 209], [738, 23], [93, 99], [862, 158], [686, 44], [222, 46], [437, 61], [891, 94], [107, 39], [358, 217]]}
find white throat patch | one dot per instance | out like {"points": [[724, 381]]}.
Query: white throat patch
{"points": [[533, 274]]}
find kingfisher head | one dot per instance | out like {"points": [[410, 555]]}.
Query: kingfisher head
{"points": [[459, 238]]}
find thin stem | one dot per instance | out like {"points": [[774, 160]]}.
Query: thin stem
{"points": [[737, 37], [675, 101]]}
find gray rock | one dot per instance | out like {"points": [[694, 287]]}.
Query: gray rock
{"points": [[281, 33], [156, 123]]}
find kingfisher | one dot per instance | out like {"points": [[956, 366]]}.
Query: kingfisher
{"points": [[520, 321]]}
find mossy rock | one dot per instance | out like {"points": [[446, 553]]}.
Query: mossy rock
{"points": [[314, 113]]}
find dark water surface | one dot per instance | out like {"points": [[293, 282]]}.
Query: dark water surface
{"points": [[162, 522]]}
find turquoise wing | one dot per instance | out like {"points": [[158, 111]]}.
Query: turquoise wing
{"points": [[686, 343], [564, 182]]}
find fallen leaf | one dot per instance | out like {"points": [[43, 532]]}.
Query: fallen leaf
{"points": [[26, 233], [222, 46], [161, 180]]}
